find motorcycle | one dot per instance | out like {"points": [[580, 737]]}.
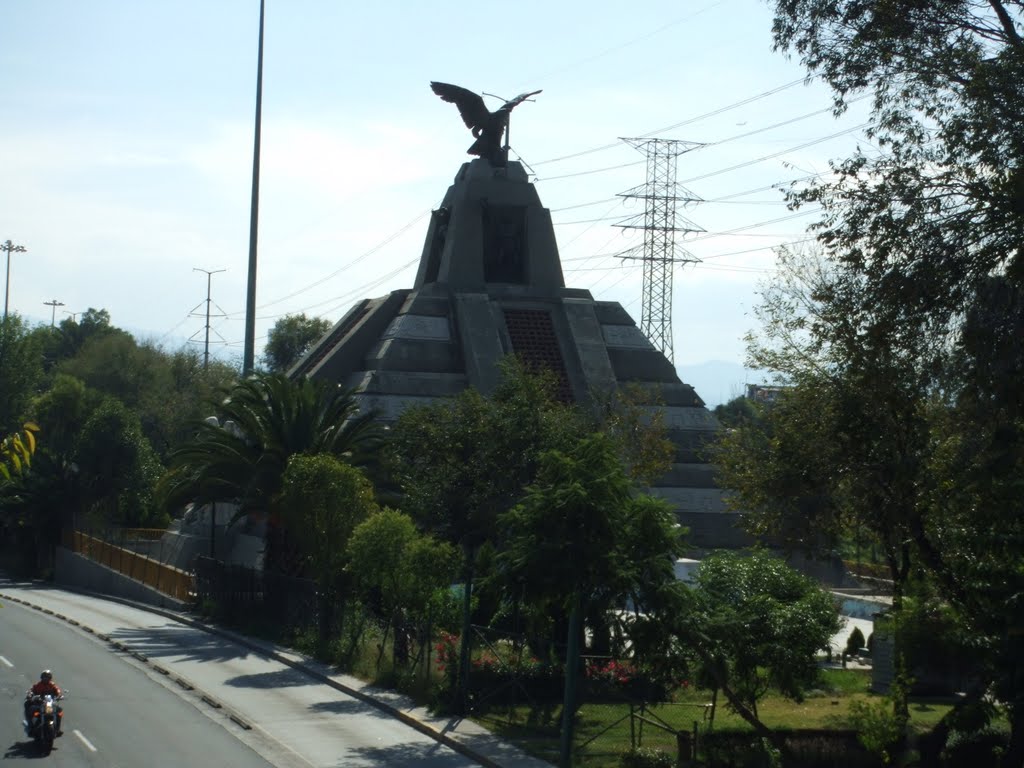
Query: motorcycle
{"points": [[44, 719]]}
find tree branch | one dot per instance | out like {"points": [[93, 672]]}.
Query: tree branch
{"points": [[1006, 21]]}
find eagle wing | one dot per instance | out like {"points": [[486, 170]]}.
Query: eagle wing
{"points": [[471, 105], [519, 99]]}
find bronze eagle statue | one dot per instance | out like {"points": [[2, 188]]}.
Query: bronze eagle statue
{"points": [[487, 127]]}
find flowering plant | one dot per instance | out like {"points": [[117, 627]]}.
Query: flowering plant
{"points": [[611, 672], [447, 649]]}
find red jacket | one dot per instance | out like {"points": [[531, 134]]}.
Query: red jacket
{"points": [[44, 687]]}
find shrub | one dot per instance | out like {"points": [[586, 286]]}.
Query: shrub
{"points": [[645, 757], [855, 642], [876, 726], [982, 747]]}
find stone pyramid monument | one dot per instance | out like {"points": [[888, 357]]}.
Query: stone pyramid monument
{"points": [[490, 284]]}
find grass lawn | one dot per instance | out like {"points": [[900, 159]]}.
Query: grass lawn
{"points": [[604, 730]]}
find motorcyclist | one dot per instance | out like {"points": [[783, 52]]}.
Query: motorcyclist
{"points": [[42, 688]]}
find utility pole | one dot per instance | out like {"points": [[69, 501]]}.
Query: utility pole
{"points": [[53, 313], [249, 347], [660, 224], [10, 248], [209, 278]]}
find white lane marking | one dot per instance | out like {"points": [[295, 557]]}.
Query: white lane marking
{"points": [[5, 661], [84, 740]]}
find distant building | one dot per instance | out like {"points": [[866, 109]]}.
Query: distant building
{"points": [[761, 393]]}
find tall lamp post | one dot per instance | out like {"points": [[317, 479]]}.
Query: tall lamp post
{"points": [[249, 344], [10, 248]]}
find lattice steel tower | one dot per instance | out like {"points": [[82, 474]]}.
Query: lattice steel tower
{"points": [[660, 223]]}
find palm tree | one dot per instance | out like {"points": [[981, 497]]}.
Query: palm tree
{"points": [[240, 455]]}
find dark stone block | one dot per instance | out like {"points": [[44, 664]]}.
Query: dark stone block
{"points": [[415, 355], [420, 304], [612, 313], [691, 475], [642, 365]]}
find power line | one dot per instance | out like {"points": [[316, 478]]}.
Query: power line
{"points": [[348, 265], [720, 171], [776, 154], [688, 121], [620, 46]]}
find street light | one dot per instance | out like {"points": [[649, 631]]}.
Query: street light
{"points": [[10, 248], [53, 314]]}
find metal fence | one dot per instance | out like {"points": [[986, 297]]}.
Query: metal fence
{"points": [[170, 581], [240, 593]]}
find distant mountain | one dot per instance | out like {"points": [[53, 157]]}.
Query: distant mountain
{"points": [[718, 381]]}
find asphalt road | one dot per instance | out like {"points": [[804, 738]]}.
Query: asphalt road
{"points": [[296, 719], [116, 714]]}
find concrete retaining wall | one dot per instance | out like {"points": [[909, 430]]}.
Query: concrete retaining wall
{"points": [[79, 572]]}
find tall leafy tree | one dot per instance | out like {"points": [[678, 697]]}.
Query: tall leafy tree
{"points": [[580, 539], [21, 371], [290, 338], [973, 540], [922, 226], [322, 502], [117, 468], [845, 448], [942, 205], [459, 464]]}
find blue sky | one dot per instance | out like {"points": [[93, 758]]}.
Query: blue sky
{"points": [[126, 150]]}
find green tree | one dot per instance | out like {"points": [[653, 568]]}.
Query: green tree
{"points": [[62, 410], [738, 411], [400, 569], [920, 229], [322, 501], [240, 455], [118, 468], [290, 338], [21, 371], [939, 208], [581, 539], [973, 540], [844, 449], [750, 623], [460, 463]]}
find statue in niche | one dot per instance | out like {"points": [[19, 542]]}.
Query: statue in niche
{"points": [[487, 127]]}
